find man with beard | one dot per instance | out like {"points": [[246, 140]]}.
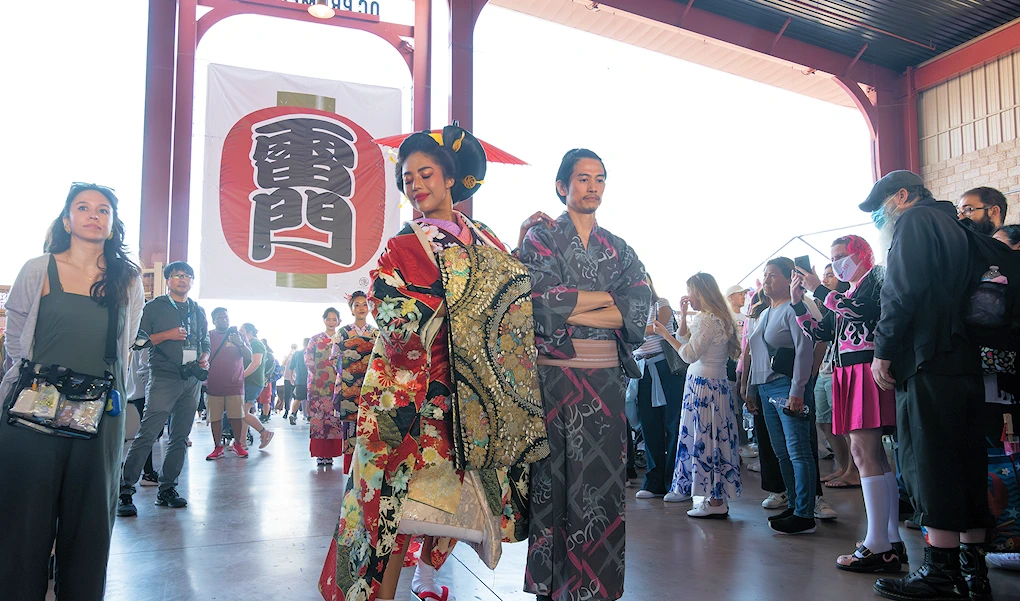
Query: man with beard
{"points": [[922, 351], [985, 207]]}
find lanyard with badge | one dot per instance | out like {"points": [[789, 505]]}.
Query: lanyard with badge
{"points": [[189, 354]]}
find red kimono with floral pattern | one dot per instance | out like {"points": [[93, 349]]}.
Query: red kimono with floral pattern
{"points": [[404, 418]]}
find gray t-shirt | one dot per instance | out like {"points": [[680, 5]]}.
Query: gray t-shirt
{"points": [[778, 326], [163, 313]]}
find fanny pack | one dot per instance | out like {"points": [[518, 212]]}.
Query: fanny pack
{"points": [[57, 401]]}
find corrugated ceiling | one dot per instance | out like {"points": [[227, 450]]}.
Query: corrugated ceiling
{"points": [[665, 39]]}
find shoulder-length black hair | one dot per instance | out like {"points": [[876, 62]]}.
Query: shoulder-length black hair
{"points": [[120, 271]]}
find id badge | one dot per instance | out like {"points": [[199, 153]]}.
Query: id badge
{"points": [[190, 355]]}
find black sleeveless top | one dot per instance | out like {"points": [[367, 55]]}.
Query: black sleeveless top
{"points": [[71, 329]]}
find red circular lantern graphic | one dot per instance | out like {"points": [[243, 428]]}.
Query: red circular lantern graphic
{"points": [[302, 191]]}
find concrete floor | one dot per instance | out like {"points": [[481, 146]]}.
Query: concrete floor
{"points": [[259, 528]]}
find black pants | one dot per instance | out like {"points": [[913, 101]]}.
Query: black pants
{"points": [[660, 426], [942, 450], [63, 490]]}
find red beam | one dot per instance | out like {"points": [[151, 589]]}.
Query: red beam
{"points": [[463, 17], [156, 139], [421, 70], [180, 183], [954, 62], [759, 40]]}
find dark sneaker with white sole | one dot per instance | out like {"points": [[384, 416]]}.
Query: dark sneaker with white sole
{"points": [[125, 507], [170, 498], [793, 525]]}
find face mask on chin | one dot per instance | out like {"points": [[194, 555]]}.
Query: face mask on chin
{"points": [[845, 268]]}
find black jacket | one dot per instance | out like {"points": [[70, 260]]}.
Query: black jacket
{"points": [[928, 280]]}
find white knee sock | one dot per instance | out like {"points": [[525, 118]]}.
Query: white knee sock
{"points": [[894, 507], [876, 503]]}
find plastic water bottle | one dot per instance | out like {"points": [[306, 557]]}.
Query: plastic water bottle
{"points": [[748, 421], [782, 403]]}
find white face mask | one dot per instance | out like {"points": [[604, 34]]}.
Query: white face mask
{"points": [[845, 268]]}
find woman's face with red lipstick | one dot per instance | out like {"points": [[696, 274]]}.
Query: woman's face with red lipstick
{"points": [[426, 186]]}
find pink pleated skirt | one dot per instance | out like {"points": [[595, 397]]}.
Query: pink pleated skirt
{"points": [[857, 401]]}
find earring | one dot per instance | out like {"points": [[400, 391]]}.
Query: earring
{"points": [[67, 228], [110, 237]]}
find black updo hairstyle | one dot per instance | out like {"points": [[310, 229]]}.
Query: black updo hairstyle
{"points": [[567, 167], [424, 143], [332, 310], [355, 296]]}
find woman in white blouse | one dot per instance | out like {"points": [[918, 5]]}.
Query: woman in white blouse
{"points": [[707, 463]]}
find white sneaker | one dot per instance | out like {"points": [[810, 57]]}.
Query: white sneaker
{"points": [[707, 510], [675, 497], [1005, 561], [755, 467], [824, 511], [747, 452], [646, 494], [776, 500]]}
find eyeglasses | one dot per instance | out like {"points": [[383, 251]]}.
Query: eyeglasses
{"points": [[182, 276], [968, 211]]}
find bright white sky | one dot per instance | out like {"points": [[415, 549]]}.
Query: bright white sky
{"points": [[707, 171]]}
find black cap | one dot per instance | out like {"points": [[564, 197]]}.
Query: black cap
{"points": [[890, 184]]}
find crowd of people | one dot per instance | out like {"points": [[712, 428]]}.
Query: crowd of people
{"points": [[535, 439]]}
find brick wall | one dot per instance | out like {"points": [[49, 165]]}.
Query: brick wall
{"points": [[996, 166]]}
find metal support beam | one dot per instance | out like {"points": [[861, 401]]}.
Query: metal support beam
{"points": [[683, 15], [984, 49], [184, 109], [779, 35], [760, 40], [157, 135], [421, 70], [857, 57], [463, 17]]}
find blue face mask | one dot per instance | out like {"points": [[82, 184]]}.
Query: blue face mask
{"points": [[878, 217]]}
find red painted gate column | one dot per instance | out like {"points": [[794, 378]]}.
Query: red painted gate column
{"points": [[463, 17], [156, 140]]}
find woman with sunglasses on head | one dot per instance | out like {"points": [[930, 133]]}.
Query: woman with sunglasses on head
{"points": [[56, 488]]}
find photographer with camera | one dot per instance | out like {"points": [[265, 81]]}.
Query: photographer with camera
{"points": [[178, 343], [226, 381]]}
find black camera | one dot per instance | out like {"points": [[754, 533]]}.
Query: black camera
{"points": [[193, 370], [231, 330]]}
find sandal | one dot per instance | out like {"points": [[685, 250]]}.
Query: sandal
{"points": [[900, 548], [840, 483], [864, 561], [427, 595]]}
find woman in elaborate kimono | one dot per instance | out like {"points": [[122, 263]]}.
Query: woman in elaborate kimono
{"points": [[707, 464], [352, 348], [325, 429], [592, 303], [404, 480]]}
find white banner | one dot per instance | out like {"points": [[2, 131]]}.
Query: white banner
{"points": [[296, 202]]}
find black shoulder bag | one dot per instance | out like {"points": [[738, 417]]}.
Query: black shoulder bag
{"points": [[57, 401], [677, 366], [782, 358]]}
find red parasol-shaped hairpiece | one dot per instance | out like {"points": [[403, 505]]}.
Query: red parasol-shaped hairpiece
{"points": [[492, 154]]}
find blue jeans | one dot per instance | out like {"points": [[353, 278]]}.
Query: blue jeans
{"points": [[791, 440]]}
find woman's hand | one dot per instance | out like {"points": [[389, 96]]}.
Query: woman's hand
{"points": [[660, 329], [537, 218], [796, 288], [795, 404], [685, 306], [751, 399], [809, 279]]}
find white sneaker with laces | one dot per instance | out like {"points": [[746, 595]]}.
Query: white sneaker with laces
{"points": [[705, 509], [675, 497], [747, 452], [755, 467], [824, 511], [646, 494], [776, 500], [1005, 561]]}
